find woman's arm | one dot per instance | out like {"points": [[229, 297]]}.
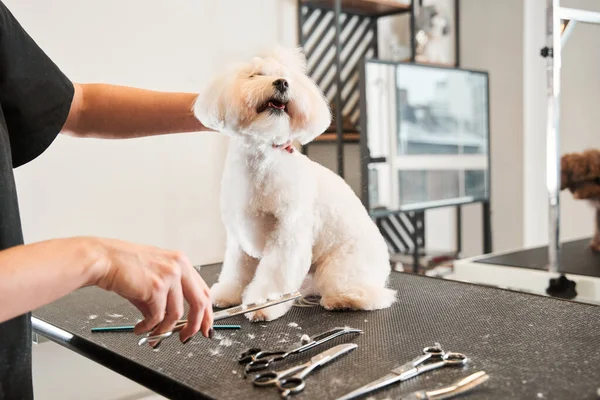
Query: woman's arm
{"points": [[36, 274], [154, 280], [122, 112]]}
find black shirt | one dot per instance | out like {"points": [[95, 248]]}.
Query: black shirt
{"points": [[35, 98]]}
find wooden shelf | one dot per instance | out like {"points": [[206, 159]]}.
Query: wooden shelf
{"points": [[347, 137], [435, 64], [373, 8]]}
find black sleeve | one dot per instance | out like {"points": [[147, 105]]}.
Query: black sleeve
{"points": [[35, 95]]}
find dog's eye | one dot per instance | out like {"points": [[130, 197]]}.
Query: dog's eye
{"points": [[255, 74]]}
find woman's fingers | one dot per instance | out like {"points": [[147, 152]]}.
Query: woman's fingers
{"points": [[207, 322], [156, 307], [194, 290], [194, 321], [143, 307], [174, 310]]}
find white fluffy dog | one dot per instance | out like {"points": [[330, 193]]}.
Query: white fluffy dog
{"points": [[287, 218]]}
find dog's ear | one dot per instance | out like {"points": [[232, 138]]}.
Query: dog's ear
{"points": [[320, 116], [291, 57], [209, 108]]}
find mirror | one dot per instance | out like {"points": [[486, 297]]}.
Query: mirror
{"points": [[426, 136]]}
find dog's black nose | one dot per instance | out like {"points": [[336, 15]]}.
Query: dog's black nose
{"points": [[281, 85]]}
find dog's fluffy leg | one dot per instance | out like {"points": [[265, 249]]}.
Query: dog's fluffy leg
{"points": [[236, 274], [347, 281], [282, 270]]}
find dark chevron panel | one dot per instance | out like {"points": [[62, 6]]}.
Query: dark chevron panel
{"points": [[358, 39], [401, 230]]}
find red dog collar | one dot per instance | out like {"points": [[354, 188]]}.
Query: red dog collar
{"points": [[287, 147]]}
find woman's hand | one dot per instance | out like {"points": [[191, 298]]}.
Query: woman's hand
{"points": [[156, 281]]}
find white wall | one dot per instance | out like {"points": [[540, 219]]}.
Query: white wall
{"points": [[492, 40], [535, 196], [161, 191]]}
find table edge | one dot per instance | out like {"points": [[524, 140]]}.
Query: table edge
{"points": [[144, 376]]}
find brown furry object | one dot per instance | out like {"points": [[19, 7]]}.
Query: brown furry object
{"points": [[578, 168], [580, 174]]}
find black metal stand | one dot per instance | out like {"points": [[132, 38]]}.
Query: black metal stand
{"points": [[562, 287]]}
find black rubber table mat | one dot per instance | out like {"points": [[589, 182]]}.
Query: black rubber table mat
{"points": [[576, 258], [533, 347]]}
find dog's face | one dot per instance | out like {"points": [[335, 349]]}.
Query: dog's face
{"points": [[269, 99]]}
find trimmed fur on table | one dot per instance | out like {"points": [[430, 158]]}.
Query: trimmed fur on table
{"points": [[580, 174]]}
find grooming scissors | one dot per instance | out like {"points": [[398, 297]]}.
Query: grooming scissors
{"points": [[256, 359], [417, 366], [454, 389], [227, 313], [292, 380]]}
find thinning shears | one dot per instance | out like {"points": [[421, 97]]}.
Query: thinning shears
{"points": [[438, 357], [257, 359], [292, 380]]}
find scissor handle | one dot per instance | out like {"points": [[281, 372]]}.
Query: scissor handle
{"points": [[434, 350], [248, 353], [256, 354], [257, 365], [273, 377], [266, 379], [290, 385], [429, 353], [154, 338], [455, 358]]}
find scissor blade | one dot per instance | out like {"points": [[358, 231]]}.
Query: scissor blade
{"points": [[325, 337], [452, 390], [415, 362], [332, 353], [371, 387], [464, 385], [246, 308], [335, 332]]}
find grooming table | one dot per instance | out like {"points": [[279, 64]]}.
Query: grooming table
{"points": [[533, 347], [526, 269]]}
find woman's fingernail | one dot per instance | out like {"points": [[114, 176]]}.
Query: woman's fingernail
{"points": [[187, 340], [211, 333]]}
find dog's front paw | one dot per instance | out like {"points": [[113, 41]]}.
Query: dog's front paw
{"points": [[256, 294], [268, 314], [225, 294], [595, 246]]}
